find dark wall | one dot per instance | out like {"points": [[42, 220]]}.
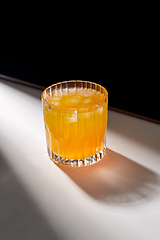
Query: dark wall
{"points": [[128, 77]]}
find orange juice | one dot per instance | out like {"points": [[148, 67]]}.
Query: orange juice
{"points": [[75, 121]]}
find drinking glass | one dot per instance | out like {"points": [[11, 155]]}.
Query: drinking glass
{"points": [[75, 133]]}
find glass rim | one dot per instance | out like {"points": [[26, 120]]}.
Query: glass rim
{"points": [[72, 108]]}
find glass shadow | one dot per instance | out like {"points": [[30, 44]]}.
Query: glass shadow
{"points": [[116, 180]]}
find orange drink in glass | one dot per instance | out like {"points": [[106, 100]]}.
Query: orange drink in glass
{"points": [[75, 117]]}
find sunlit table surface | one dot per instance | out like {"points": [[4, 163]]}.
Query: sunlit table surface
{"points": [[115, 199]]}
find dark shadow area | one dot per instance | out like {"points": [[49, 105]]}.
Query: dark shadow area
{"points": [[19, 216], [116, 180]]}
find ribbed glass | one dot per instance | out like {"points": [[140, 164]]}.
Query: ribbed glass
{"points": [[75, 136]]}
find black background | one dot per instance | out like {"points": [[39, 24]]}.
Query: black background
{"points": [[126, 71]]}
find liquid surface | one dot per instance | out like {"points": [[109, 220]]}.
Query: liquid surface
{"points": [[75, 98]]}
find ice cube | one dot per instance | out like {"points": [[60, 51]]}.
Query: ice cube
{"points": [[80, 91], [88, 92], [88, 100], [71, 117], [55, 103], [72, 101], [55, 98]]}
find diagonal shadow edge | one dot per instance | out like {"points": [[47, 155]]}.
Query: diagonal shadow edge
{"points": [[20, 217]]}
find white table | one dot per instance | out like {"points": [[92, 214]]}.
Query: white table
{"points": [[118, 198]]}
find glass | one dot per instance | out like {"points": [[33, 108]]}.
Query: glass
{"points": [[75, 117]]}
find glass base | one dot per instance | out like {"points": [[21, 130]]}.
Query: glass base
{"points": [[77, 162]]}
